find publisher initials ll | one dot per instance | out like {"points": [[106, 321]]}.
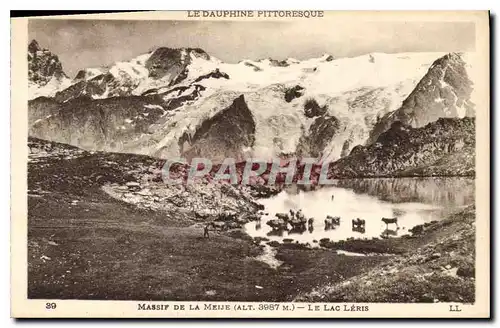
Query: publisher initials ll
{"points": [[455, 308]]}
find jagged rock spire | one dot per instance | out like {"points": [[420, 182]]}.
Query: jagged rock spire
{"points": [[34, 46]]}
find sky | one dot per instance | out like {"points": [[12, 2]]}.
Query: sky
{"points": [[94, 43]]}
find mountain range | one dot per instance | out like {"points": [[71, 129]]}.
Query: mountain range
{"points": [[171, 103]]}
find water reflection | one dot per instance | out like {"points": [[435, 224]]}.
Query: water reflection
{"points": [[359, 229], [277, 233], [388, 233], [457, 191], [358, 207]]}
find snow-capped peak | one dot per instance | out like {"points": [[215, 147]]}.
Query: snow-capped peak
{"points": [[45, 72]]}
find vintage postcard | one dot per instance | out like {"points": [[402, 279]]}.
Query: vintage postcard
{"points": [[244, 164]]}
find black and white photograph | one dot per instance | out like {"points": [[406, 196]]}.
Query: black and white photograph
{"points": [[281, 160]]}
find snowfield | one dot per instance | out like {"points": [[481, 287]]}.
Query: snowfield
{"points": [[49, 89], [370, 86], [357, 91]]}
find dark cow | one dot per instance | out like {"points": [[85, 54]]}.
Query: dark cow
{"points": [[329, 225], [277, 224], [335, 219], [298, 229], [331, 222], [257, 225], [282, 216], [298, 223], [310, 225], [388, 221], [226, 216]]}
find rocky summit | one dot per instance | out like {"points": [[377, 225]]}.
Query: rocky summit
{"points": [[445, 91]]}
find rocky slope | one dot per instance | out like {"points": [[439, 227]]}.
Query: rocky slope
{"points": [[133, 179], [321, 131], [445, 91], [101, 226], [226, 135], [194, 86], [445, 147], [41, 108], [105, 124]]}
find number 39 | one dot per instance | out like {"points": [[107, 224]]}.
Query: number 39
{"points": [[50, 306]]}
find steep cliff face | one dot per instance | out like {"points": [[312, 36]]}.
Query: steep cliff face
{"points": [[445, 91], [321, 132], [45, 72], [41, 108], [107, 124], [444, 147], [229, 134], [172, 63], [95, 88]]}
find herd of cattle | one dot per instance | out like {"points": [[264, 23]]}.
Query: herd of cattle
{"points": [[297, 221], [292, 221]]}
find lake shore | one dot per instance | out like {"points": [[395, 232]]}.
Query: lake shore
{"points": [[90, 258], [83, 243], [437, 266]]}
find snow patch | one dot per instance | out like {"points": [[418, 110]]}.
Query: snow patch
{"points": [[48, 90], [153, 106]]}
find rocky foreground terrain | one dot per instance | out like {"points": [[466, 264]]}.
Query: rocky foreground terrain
{"points": [[134, 179], [101, 226], [98, 230]]}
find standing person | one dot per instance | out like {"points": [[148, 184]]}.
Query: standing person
{"points": [[205, 232], [333, 197]]}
